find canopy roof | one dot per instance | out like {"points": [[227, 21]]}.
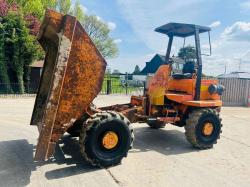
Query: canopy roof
{"points": [[181, 29]]}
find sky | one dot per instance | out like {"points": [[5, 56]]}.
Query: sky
{"points": [[132, 24]]}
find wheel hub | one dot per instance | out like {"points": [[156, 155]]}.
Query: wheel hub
{"points": [[110, 140], [208, 129]]}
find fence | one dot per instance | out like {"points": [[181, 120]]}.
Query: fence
{"points": [[13, 90], [237, 91], [111, 85], [115, 85]]}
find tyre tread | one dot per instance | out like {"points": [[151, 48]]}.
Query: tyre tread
{"points": [[191, 123], [93, 123]]}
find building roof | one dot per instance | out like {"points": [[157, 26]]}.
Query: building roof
{"points": [[236, 74], [181, 29], [153, 65], [37, 64]]}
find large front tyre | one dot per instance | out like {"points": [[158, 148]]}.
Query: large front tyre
{"points": [[203, 128], [106, 139]]}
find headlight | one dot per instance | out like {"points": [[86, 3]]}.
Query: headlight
{"points": [[213, 89]]}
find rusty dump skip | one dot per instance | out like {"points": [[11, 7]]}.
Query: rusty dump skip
{"points": [[72, 77]]}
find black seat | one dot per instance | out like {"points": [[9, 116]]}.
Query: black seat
{"points": [[182, 76], [187, 71], [188, 67]]}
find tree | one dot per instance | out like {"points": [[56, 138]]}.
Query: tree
{"points": [[78, 11], [187, 53], [3, 8], [32, 23], [100, 34], [19, 24], [34, 7], [64, 6], [96, 28], [137, 70], [4, 78], [18, 49], [49, 4]]}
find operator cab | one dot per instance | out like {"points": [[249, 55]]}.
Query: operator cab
{"points": [[185, 70], [191, 69]]}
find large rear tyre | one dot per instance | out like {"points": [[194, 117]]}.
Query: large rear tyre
{"points": [[203, 128], [106, 139]]}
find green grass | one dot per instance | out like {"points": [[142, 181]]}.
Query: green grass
{"points": [[117, 87]]}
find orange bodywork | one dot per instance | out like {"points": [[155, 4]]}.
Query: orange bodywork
{"points": [[204, 103], [162, 86]]}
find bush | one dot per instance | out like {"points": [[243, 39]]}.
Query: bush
{"points": [[17, 50]]}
